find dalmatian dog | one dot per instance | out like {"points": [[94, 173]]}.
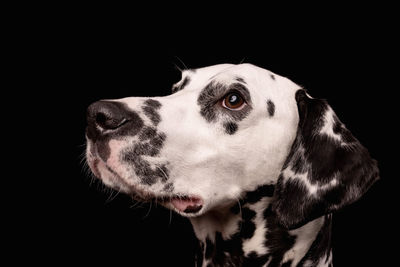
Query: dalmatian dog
{"points": [[255, 163]]}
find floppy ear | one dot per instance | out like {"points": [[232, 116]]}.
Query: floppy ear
{"points": [[326, 169]]}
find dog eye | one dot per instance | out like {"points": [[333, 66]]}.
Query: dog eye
{"points": [[233, 101]]}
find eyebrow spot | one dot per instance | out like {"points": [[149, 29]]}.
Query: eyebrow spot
{"points": [[271, 108], [241, 80], [213, 93]]}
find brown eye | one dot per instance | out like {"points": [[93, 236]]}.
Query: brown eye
{"points": [[233, 101]]}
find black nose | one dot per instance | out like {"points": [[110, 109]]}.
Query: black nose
{"points": [[105, 115], [109, 119]]}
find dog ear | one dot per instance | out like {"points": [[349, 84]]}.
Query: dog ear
{"points": [[326, 169]]}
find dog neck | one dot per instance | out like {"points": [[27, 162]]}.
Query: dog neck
{"points": [[248, 234]]}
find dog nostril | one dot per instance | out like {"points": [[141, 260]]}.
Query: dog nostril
{"points": [[105, 115], [109, 123], [101, 119]]}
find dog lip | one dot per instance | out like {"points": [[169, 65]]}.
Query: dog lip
{"points": [[93, 165], [187, 204], [192, 209]]}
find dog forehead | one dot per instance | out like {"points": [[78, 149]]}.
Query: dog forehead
{"points": [[263, 85], [258, 78], [223, 72], [209, 71], [203, 75]]}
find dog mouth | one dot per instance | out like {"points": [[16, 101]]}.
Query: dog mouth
{"points": [[183, 204], [186, 204]]}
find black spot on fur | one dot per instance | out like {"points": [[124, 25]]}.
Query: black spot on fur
{"points": [[230, 127], [235, 209], [145, 149], [255, 260], [272, 76], [152, 115], [224, 252], [210, 97], [278, 240], [199, 253], [209, 249], [287, 264], [152, 142], [239, 79], [169, 187], [261, 191], [153, 103], [150, 109], [271, 108], [248, 226], [147, 133], [158, 140], [143, 170]]}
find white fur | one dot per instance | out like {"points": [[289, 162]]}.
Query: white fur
{"points": [[256, 243], [215, 221], [304, 238]]}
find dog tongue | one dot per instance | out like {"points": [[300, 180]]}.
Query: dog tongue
{"points": [[187, 204]]}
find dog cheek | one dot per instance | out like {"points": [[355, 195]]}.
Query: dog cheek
{"points": [[113, 160]]}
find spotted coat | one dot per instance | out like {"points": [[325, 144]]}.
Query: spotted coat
{"points": [[255, 163]]}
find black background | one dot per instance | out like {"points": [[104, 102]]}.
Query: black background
{"points": [[74, 220]]}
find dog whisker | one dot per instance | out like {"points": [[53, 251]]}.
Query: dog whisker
{"points": [[148, 212], [177, 67], [240, 214], [186, 68], [111, 197], [165, 175], [170, 217]]}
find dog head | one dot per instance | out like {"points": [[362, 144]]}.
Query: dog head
{"points": [[226, 130]]}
